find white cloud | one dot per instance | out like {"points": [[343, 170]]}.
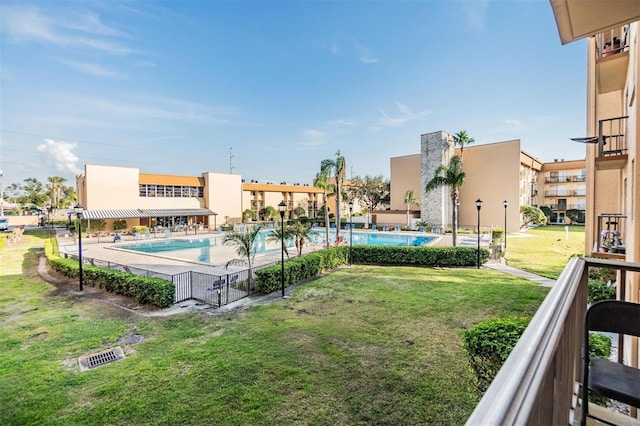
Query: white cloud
{"points": [[475, 11], [60, 155], [93, 69], [30, 23], [313, 138], [364, 53], [406, 115]]}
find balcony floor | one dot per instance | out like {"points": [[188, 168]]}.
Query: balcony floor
{"points": [[607, 416]]}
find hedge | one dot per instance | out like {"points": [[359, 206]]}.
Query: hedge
{"points": [[302, 268], [145, 290]]}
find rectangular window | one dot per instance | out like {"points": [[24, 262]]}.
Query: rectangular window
{"points": [[143, 190]]}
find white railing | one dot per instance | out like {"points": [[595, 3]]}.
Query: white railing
{"points": [[538, 383]]}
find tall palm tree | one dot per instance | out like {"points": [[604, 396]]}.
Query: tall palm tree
{"points": [[339, 169], [55, 187], [277, 236], [409, 198], [462, 139], [453, 177], [300, 232], [243, 242], [322, 181]]}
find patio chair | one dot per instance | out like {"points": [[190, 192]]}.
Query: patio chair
{"points": [[374, 228], [421, 229], [386, 228], [333, 225], [137, 236], [604, 377], [147, 235], [396, 228], [233, 279], [167, 233]]}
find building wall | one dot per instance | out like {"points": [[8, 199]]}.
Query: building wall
{"points": [[223, 195], [405, 175], [563, 186], [109, 187], [492, 175]]}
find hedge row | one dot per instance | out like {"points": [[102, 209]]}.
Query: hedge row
{"points": [[419, 256], [145, 290], [302, 268]]}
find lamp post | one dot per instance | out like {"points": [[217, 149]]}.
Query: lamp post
{"points": [[505, 203], [281, 208], [478, 206], [1, 196], [49, 208], [78, 209], [350, 232]]}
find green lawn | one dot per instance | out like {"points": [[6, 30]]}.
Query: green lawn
{"points": [[544, 250], [362, 345]]}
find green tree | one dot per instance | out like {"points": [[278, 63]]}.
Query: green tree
{"points": [[300, 233], [533, 215], [248, 214], [276, 235], [298, 211], [55, 190], [322, 181], [270, 213], [462, 139], [370, 192], [452, 177], [576, 216], [243, 242], [409, 198], [337, 167]]}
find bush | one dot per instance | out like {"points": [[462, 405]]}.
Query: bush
{"points": [[119, 225], [141, 229], [489, 343], [600, 290], [145, 290], [496, 235]]}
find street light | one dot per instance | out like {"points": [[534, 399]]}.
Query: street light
{"points": [[281, 208], [505, 203], [478, 206], [1, 196], [79, 209], [49, 209], [350, 232]]}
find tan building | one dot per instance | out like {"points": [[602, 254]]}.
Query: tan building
{"points": [[495, 173], [562, 186], [208, 200]]}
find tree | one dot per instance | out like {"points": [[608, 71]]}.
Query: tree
{"points": [[243, 242], [462, 139], [409, 198], [322, 181], [547, 212], [576, 216], [55, 190], [298, 211], [300, 233], [277, 236], [453, 177], [533, 215], [370, 192], [248, 214], [339, 169], [270, 213]]}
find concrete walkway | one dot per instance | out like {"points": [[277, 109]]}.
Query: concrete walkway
{"points": [[499, 266]]}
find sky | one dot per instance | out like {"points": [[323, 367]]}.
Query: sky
{"points": [[268, 89]]}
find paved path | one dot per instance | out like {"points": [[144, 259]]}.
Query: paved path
{"points": [[496, 265]]}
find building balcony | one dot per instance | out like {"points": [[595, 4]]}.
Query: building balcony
{"points": [[610, 244], [612, 59], [564, 207], [538, 383], [563, 179], [564, 193], [612, 148]]}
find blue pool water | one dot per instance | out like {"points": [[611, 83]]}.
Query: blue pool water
{"points": [[200, 248]]}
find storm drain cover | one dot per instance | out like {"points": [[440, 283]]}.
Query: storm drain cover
{"points": [[101, 358]]}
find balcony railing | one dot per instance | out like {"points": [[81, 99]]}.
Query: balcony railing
{"points": [[565, 193], [538, 383], [611, 227], [565, 206], [562, 179], [615, 40], [611, 140]]}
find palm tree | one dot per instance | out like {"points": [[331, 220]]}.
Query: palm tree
{"points": [[322, 181], [243, 242], [453, 177], [339, 169], [248, 215], [462, 139], [276, 236], [300, 232], [270, 213], [409, 198]]}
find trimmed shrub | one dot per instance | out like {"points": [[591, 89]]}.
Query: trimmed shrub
{"points": [[418, 256], [600, 290], [145, 290], [489, 343]]}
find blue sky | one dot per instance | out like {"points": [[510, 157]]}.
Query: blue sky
{"points": [[175, 87]]}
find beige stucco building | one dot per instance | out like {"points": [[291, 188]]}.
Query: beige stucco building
{"points": [[211, 199], [562, 186]]}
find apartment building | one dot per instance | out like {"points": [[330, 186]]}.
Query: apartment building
{"points": [[211, 199], [562, 186]]}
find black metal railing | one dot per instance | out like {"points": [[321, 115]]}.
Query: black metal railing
{"points": [[611, 137]]}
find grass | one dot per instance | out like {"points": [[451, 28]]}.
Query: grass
{"points": [[544, 250], [363, 345]]}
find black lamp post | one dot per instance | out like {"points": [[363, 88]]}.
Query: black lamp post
{"points": [[281, 208], [49, 208], [505, 203], [350, 232], [478, 206], [78, 209]]}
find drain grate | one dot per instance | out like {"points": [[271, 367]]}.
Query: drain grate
{"points": [[101, 358]]}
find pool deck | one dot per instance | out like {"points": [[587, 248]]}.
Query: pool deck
{"points": [[104, 249]]}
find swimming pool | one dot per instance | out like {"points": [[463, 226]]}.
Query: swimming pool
{"points": [[204, 249]]}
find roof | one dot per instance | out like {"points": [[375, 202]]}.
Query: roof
{"points": [[138, 213]]}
